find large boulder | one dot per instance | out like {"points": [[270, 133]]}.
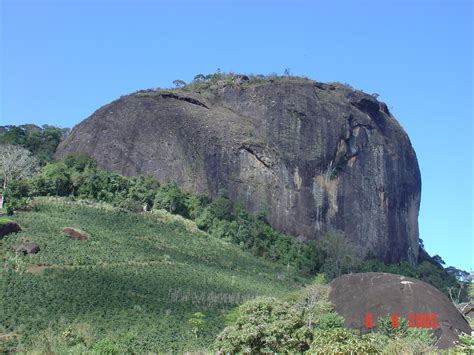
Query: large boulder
{"points": [[382, 294], [316, 156], [8, 227]]}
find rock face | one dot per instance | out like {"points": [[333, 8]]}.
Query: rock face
{"points": [[315, 156], [384, 294]]}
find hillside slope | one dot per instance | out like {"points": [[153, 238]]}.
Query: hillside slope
{"points": [[136, 281], [317, 157]]}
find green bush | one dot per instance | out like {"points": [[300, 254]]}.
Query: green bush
{"points": [[466, 344], [330, 320], [80, 161], [265, 324], [402, 339], [403, 345], [169, 197], [385, 327], [280, 325], [341, 340], [197, 323]]}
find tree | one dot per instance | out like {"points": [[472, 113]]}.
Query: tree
{"points": [[170, 197], [340, 255], [438, 260], [179, 83], [54, 180], [40, 141], [471, 291], [199, 77], [80, 161], [15, 163], [463, 278]]}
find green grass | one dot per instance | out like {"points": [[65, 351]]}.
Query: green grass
{"points": [[4, 221], [139, 279]]}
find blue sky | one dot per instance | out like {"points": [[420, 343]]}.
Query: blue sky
{"points": [[63, 59]]}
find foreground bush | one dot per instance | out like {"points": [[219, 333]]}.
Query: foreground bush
{"points": [[306, 321], [341, 340], [268, 324], [265, 325]]}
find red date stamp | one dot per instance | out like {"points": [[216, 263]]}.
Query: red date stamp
{"points": [[427, 321]]}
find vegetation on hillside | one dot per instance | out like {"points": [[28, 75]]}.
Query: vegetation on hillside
{"points": [[166, 279], [40, 141], [205, 83], [78, 178], [134, 285], [306, 321]]}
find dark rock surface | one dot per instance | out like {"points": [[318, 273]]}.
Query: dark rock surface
{"points": [[466, 309], [27, 248], [382, 294], [8, 228], [75, 234], [316, 156]]}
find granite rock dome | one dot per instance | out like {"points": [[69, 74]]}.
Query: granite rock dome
{"points": [[316, 156]]}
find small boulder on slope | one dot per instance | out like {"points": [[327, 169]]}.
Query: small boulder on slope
{"points": [[75, 234], [7, 227], [27, 248]]}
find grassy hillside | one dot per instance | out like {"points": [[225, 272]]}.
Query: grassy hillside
{"points": [[134, 284]]}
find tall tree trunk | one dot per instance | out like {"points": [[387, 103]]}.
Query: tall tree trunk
{"points": [[4, 189]]}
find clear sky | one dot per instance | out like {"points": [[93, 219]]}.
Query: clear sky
{"points": [[63, 59]]}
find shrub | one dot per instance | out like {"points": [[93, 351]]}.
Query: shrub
{"points": [[386, 328], [341, 340], [197, 323], [466, 344], [265, 324], [80, 161], [402, 339], [169, 197], [404, 345], [273, 325], [340, 256], [330, 320]]}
